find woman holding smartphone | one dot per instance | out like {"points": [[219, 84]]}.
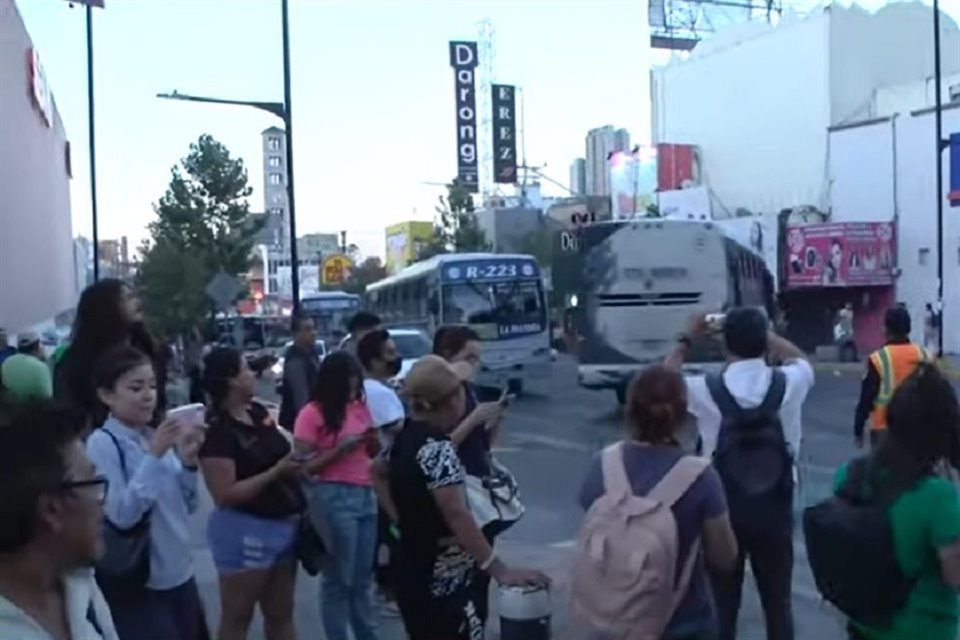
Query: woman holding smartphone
{"points": [[249, 468], [335, 428]]}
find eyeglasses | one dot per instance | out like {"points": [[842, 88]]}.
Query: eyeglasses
{"points": [[98, 482]]}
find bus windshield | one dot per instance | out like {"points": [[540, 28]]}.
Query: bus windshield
{"points": [[496, 309]]}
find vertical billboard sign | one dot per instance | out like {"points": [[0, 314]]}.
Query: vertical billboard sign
{"points": [[504, 134], [954, 193], [463, 59]]}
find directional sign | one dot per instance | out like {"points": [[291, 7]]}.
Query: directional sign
{"points": [[335, 269], [223, 289]]}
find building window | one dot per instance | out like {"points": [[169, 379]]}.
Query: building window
{"points": [[277, 198], [276, 212], [273, 161], [275, 178], [273, 143], [923, 256]]}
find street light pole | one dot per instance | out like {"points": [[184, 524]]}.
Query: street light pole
{"points": [[288, 126], [938, 119], [92, 145]]}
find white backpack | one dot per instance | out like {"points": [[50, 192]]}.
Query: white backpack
{"points": [[625, 570]]}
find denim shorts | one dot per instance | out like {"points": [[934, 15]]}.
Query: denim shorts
{"points": [[241, 542]]}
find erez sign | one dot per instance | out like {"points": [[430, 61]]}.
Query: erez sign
{"points": [[463, 59]]}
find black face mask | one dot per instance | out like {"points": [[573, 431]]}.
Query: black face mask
{"points": [[394, 366]]}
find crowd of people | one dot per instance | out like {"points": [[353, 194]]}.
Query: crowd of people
{"points": [[386, 487]]}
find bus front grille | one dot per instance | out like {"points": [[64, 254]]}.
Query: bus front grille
{"points": [[677, 299]]}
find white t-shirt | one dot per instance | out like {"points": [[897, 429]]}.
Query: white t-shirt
{"points": [[384, 405]]}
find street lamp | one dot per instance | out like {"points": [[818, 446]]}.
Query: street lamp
{"points": [[282, 110]]}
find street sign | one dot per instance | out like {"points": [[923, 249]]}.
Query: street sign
{"points": [[223, 289], [335, 269]]}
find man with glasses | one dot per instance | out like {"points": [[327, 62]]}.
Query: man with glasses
{"points": [[51, 514]]}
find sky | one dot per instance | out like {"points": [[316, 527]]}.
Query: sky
{"points": [[373, 107]]}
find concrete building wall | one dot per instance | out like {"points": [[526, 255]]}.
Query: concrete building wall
{"points": [[578, 177], [758, 101], [508, 229], [885, 171], [38, 276]]}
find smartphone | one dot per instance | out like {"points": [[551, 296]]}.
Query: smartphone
{"points": [[715, 322], [506, 398], [189, 415]]}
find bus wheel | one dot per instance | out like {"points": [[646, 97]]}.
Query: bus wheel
{"points": [[621, 394], [515, 387]]}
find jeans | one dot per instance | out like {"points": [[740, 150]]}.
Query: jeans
{"points": [[349, 517], [771, 560]]}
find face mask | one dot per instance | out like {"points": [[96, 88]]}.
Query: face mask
{"points": [[394, 366]]}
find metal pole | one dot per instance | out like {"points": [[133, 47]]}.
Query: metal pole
{"points": [[288, 125], [93, 145], [938, 119]]}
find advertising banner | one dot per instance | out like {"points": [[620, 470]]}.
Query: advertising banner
{"points": [[954, 193], [633, 182], [405, 241], [841, 254], [335, 269], [463, 59], [504, 134]]}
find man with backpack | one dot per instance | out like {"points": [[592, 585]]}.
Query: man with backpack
{"points": [[749, 418]]}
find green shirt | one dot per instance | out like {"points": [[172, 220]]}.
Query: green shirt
{"points": [[26, 377], [924, 519]]}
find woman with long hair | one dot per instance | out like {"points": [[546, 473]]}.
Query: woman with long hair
{"points": [[249, 468], [656, 406], [152, 476], [923, 437], [108, 314], [335, 430]]}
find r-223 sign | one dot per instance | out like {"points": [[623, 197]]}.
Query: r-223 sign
{"points": [[491, 271]]}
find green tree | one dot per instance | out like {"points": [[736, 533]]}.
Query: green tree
{"points": [[203, 225], [456, 229], [367, 272]]}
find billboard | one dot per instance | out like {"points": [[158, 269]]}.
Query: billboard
{"points": [[841, 254], [335, 269], [464, 60], [404, 243], [954, 193], [504, 134], [633, 182]]}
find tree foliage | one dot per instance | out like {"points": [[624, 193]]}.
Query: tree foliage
{"points": [[203, 226], [455, 229], [367, 272]]}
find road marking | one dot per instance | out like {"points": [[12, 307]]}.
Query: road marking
{"points": [[550, 441]]}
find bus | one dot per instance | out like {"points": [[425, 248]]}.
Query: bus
{"points": [[632, 285], [500, 296], [252, 333], [331, 311]]}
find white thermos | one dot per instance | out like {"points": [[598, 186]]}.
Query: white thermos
{"points": [[524, 613]]}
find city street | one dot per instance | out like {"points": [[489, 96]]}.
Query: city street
{"points": [[548, 441]]}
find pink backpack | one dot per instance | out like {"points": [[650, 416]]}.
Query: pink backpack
{"points": [[624, 572]]}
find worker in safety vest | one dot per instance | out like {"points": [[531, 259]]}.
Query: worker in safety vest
{"points": [[886, 369]]}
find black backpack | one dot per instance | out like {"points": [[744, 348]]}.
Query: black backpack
{"points": [[753, 458], [852, 553]]}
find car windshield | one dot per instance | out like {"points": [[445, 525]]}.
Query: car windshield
{"points": [[411, 346], [496, 309]]}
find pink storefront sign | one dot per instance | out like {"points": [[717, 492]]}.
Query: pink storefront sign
{"points": [[841, 254]]}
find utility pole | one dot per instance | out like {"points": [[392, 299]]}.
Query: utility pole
{"points": [[343, 242], [941, 146], [93, 145], [288, 126]]}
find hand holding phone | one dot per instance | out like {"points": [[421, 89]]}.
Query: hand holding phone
{"points": [[189, 415]]}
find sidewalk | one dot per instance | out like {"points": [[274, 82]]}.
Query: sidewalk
{"points": [[554, 560], [950, 365]]}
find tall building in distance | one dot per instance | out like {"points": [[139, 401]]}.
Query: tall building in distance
{"points": [[601, 142], [578, 177], [275, 203]]}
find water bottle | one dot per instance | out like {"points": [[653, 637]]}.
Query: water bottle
{"points": [[525, 613]]}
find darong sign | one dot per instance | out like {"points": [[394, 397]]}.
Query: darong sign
{"points": [[504, 134], [463, 59]]}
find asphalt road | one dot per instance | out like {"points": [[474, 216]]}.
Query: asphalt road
{"points": [[549, 439]]}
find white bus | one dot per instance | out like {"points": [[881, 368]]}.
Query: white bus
{"points": [[500, 296], [631, 287], [330, 310]]}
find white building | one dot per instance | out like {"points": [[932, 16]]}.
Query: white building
{"points": [[758, 100], [578, 177], [275, 199], [600, 143]]}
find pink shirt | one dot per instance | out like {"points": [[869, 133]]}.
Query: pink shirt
{"points": [[352, 467]]}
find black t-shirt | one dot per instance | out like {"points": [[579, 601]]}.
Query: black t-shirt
{"points": [[474, 450], [254, 449], [432, 564]]}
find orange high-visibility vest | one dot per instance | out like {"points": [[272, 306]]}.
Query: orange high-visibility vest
{"points": [[894, 363]]}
